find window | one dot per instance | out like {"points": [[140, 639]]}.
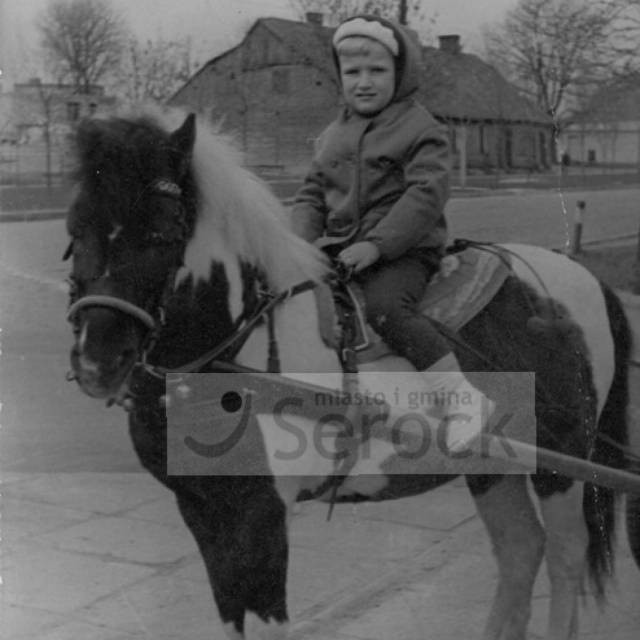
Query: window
{"points": [[93, 107], [482, 139], [453, 138], [280, 80], [73, 111]]}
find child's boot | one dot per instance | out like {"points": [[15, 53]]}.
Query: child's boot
{"points": [[465, 408]]}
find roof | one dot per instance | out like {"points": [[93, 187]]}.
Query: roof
{"points": [[618, 101], [312, 42], [465, 87], [457, 86]]}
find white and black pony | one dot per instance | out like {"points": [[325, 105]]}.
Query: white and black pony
{"points": [[172, 241]]}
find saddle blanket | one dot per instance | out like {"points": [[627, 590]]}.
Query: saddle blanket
{"points": [[467, 281]]}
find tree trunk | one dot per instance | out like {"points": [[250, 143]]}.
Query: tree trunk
{"points": [[635, 286], [402, 11], [47, 141], [462, 147]]}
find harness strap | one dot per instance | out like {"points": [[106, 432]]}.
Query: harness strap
{"points": [[238, 337], [273, 362]]}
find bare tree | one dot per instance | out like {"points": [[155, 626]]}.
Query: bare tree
{"points": [[155, 69], [338, 10], [83, 40], [556, 51]]}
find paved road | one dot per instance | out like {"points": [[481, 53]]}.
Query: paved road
{"points": [[545, 217], [93, 548]]}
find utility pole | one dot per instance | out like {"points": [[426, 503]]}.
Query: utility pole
{"points": [[402, 11]]}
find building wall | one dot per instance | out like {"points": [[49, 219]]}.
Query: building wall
{"points": [[35, 104], [273, 108], [490, 145], [608, 143]]}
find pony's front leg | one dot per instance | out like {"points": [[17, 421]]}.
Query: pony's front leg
{"points": [[518, 544], [243, 543], [566, 553]]}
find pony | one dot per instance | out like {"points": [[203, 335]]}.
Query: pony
{"points": [[172, 243]]}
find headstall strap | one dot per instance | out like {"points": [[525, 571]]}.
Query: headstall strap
{"points": [[230, 346]]}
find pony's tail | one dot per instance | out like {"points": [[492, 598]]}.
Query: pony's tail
{"points": [[599, 503], [633, 525]]}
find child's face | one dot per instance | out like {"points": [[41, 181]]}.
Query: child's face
{"points": [[368, 78]]}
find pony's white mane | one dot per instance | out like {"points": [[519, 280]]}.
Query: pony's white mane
{"points": [[239, 214]]}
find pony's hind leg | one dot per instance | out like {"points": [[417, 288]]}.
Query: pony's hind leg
{"points": [[566, 555], [517, 537]]}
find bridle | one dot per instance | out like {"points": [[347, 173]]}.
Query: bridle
{"points": [[254, 314], [176, 239]]}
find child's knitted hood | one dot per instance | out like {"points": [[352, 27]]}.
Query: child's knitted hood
{"points": [[402, 45]]}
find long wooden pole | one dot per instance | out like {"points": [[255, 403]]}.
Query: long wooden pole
{"points": [[572, 467], [524, 455]]}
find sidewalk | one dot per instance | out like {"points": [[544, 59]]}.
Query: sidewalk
{"points": [[106, 557]]}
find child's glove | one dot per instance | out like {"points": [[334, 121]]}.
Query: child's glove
{"points": [[359, 255]]}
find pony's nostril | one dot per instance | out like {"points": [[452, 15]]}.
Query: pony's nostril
{"points": [[88, 365]]}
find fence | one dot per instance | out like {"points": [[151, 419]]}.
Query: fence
{"points": [[27, 164]]}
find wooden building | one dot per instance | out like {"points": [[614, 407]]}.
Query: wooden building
{"points": [[278, 89]]}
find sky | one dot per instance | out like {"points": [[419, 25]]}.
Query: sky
{"points": [[217, 25]]}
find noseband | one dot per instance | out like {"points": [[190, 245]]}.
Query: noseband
{"points": [[169, 189]]}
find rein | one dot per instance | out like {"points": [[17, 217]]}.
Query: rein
{"points": [[242, 330]]}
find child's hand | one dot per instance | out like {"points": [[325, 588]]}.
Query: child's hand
{"points": [[359, 255]]}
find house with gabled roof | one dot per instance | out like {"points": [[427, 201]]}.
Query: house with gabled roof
{"points": [[278, 89], [607, 131]]}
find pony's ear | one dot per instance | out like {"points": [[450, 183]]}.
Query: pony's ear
{"points": [[182, 141]]}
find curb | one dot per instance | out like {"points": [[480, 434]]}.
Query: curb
{"points": [[32, 215]]}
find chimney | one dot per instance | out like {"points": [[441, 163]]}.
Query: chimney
{"points": [[450, 44], [315, 17]]}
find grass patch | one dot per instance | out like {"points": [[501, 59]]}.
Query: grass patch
{"points": [[615, 266]]}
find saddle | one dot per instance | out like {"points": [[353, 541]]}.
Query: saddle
{"points": [[470, 275]]}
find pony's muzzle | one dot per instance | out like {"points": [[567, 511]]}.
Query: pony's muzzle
{"points": [[102, 378]]}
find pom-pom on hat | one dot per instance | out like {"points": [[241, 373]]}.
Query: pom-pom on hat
{"points": [[367, 28]]}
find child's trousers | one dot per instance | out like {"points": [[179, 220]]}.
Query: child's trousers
{"points": [[392, 291]]}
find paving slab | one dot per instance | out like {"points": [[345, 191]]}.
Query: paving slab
{"points": [[26, 623], [161, 607], [107, 493], [25, 518], [62, 581], [453, 603], [124, 539], [348, 535], [454, 505], [88, 632]]}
